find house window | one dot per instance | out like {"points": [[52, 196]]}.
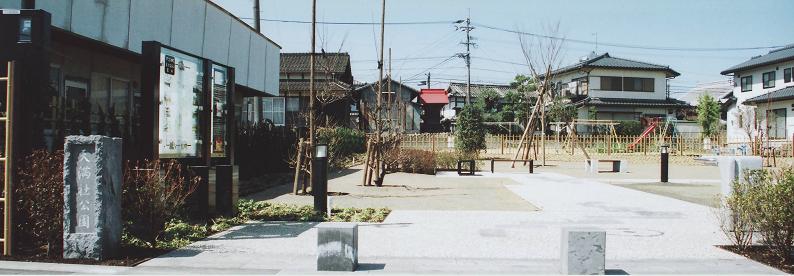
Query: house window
{"points": [[769, 79], [612, 83], [273, 110], [787, 75], [747, 83], [638, 84]]}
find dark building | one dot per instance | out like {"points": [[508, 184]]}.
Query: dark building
{"points": [[399, 103], [333, 82], [432, 101]]}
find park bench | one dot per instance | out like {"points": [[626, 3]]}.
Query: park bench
{"points": [[531, 163], [592, 165]]}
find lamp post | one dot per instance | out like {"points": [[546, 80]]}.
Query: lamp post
{"points": [[320, 178], [665, 159]]}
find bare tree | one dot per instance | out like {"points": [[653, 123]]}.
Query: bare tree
{"points": [[542, 55]]}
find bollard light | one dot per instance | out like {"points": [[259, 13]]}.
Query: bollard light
{"points": [[665, 158], [321, 151], [320, 178]]}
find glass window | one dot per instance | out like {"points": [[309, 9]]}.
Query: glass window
{"points": [[638, 84], [768, 79], [747, 83], [273, 110], [293, 104], [787, 75], [776, 126], [611, 83]]}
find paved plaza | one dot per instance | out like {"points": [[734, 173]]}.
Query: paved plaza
{"points": [[506, 222]]}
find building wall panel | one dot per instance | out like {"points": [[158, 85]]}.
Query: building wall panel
{"points": [[239, 45], [216, 35], [187, 30], [256, 68], [150, 20]]}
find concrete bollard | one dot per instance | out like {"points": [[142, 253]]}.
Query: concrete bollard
{"points": [[624, 166], [583, 251], [337, 246]]}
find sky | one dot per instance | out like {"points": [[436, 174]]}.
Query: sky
{"points": [[708, 30]]}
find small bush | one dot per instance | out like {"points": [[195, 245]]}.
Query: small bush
{"points": [[772, 209], [178, 233], [735, 214], [39, 202], [470, 131], [261, 210], [449, 160], [343, 143], [628, 128], [417, 161], [154, 193]]}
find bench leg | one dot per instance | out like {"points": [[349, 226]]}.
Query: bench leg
{"points": [[531, 166]]}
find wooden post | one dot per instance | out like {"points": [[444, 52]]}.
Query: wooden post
{"points": [[503, 143], [433, 138], [366, 163], [298, 165], [609, 145]]}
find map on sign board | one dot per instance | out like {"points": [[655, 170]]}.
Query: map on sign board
{"points": [[181, 90]]}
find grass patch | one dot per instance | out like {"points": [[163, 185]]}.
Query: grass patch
{"points": [[180, 233]]}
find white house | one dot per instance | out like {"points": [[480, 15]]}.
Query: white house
{"points": [[618, 89], [763, 96]]}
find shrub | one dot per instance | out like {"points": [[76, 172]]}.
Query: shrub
{"points": [[449, 160], [628, 128], [154, 193], [257, 141], [470, 131], [178, 233], [417, 161], [39, 201], [261, 210], [772, 209], [342, 144], [735, 214]]}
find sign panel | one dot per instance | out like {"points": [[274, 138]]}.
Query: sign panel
{"points": [[219, 111], [181, 98]]}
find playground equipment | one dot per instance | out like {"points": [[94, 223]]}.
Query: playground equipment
{"points": [[652, 125]]}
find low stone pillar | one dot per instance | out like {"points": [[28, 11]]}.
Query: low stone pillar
{"points": [[583, 251], [337, 246], [733, 167], [92, 176], [591, 165], [624, 166]]}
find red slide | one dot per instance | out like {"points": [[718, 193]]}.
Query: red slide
{"points": [[645, 133]]}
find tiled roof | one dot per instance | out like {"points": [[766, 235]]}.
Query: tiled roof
{"points": [[299, 62], [433, 96], [301, 87], [459, 89], [633, 102], [607, 61], [360, 87], [777, 95], [774, 56], [717, 89]]}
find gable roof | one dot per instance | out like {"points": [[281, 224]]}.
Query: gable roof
{"points": [[433, 96], [459, 89], [609, 62], [361, 87], [778, 55], [785, 93], [299, 62], [596, 101]]}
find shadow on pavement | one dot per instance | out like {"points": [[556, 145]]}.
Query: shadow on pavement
{"points": [[267, 230], [369, 267], [615, 272], [341, 173]]}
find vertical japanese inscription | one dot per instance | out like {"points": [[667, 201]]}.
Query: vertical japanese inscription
{"points": [[84, 210]]}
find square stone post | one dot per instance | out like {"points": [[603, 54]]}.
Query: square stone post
{"points": [[583, 251], [337, 246], [92, 176]]}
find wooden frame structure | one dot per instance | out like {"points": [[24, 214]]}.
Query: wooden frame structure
{"points": [[7, 158]]}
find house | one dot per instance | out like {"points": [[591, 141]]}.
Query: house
{"points": [[763, 96], [617, 89], [432, 101], [456, 92], [399, 104], [333, 86]]}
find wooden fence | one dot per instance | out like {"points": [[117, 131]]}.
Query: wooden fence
{"points": [[608, 145]]}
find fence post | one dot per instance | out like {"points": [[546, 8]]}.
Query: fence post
{"points": [[434, 143], [502, 139]]}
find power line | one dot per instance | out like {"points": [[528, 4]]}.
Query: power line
{"points": [[621, 45], [353, 23]]}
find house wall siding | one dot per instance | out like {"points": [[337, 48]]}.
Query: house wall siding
{"points": [[734, 129]]}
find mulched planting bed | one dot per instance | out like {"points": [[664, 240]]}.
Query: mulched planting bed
{"points": [[763, 255], [130, 256]]}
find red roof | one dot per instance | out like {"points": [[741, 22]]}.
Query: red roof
{"points": [[433, 96]]}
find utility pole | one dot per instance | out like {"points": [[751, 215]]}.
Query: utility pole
{"points": [[428, 80], [312, 95], [379, 123], [257, 16], [467, 56], [390, 99]]}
